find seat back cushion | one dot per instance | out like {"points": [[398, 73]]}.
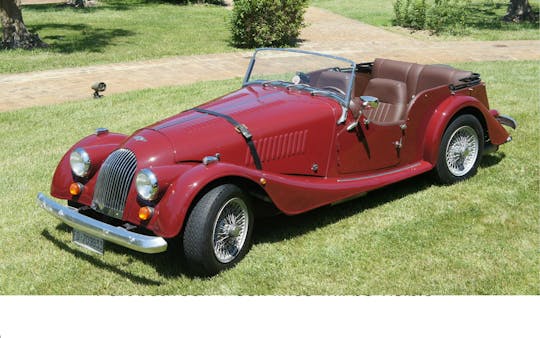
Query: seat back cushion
{"points": [[392, 97], [400, 71], [438, 75], [330, 78]]}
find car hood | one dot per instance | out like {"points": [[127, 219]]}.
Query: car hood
{"points": [[265, 111]]}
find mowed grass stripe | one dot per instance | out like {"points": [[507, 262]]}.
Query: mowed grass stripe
{"points": [[476, 237]]}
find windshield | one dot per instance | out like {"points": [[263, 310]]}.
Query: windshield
{"points": [[300, 70]]}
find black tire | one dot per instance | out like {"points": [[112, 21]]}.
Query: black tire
{"points": [[210, 243], [460, 151]]}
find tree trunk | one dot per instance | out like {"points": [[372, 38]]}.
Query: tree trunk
{"points": [[15, 34], [519, 10]]}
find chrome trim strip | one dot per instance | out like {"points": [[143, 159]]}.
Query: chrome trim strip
{"points": [[113, 183], [117, 235], [411, 166]]}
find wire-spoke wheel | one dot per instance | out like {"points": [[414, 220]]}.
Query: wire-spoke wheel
{"points": [[230, 230], [218, 230], [460, 150]]}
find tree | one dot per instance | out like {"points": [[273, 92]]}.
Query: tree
{"points": [[519, 10], [15, 34]]}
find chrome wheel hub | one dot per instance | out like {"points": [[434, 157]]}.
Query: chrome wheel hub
{"points": [[230, 230], [462, 151]]}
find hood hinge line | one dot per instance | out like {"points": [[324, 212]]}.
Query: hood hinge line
{"points": [[241, 129]]}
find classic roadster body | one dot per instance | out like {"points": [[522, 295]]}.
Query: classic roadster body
{"points": [[304, 131]]}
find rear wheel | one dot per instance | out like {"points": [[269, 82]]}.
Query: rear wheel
{"points": [[218, 230], [460, 151]]}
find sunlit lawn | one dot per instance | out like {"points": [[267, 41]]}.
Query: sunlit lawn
{"points": [[483, 19], [477, 237], [118, 31]]}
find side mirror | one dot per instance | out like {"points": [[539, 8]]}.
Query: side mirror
{"points": [[369, 101]]}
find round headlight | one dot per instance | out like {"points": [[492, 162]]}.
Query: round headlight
{"points": [[80, 162], [147, 184]]}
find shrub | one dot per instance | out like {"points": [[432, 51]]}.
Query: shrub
{"points": [[448, 15], [187, 2], [436, 16], [267, 23]]}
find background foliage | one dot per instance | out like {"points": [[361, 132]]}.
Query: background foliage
{"points": [[479, 20], [267, 23]]}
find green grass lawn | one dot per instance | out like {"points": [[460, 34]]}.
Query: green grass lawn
{"points": [[118, 31], [477, 237], [483, 19]]}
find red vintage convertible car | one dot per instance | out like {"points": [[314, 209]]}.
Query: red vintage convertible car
{"points": [[304, 131]]}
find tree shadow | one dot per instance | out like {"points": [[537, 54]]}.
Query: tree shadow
{"points": [[110, 5], [78, 37], [483, 15]]}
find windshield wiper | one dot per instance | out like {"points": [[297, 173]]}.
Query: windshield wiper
{"points": [[300, 86]]}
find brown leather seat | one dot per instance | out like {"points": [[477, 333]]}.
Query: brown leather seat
{"points": [[417, 77], [396, 83], [433, 76], [400, 71], [330, 78], [392, 97]]}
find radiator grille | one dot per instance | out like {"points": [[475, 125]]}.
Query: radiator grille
{"points": [[114, 180]]}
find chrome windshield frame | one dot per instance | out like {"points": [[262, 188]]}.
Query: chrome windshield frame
{"points": [[343, 101]]}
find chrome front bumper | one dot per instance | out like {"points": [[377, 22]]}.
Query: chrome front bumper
{"points": [[117, 235]]}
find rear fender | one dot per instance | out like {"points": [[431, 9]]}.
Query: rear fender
{"points": [[447, 111]]}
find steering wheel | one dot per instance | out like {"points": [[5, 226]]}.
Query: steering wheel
{"points": [[335, 89]]}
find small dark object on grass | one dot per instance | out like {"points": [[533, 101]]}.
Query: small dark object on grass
{"points": [[98, 87]]}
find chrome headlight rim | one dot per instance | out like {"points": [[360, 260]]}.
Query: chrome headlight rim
{"points": [[80, 162], [146, 183]]}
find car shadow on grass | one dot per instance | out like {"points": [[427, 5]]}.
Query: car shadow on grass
{"points": [[492, 159], [282, 227], [93, 260], [171, 264]]}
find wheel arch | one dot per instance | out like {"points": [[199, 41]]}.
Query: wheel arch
{"points": [[259, 197], [444, 115], [190, 187]]}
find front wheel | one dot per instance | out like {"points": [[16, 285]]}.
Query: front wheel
{"points": [[218, 230], [460, 151]]}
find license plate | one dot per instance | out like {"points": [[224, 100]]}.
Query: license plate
{"points": [[89, 242]]}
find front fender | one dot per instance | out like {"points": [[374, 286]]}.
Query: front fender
{"points": [[174, 206], [446, 111]]}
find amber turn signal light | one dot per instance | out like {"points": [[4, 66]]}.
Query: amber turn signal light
{"points": [[145, 213], [75, 189]]}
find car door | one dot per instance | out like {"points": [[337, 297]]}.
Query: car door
{"points": [[368, 146]]}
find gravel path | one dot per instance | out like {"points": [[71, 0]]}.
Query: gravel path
{"points": [[325, 32]]}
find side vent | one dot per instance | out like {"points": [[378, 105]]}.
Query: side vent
{"points": [[279, 147]]}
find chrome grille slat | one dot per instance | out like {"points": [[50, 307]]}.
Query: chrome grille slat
{"points": [[113, 183]]}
